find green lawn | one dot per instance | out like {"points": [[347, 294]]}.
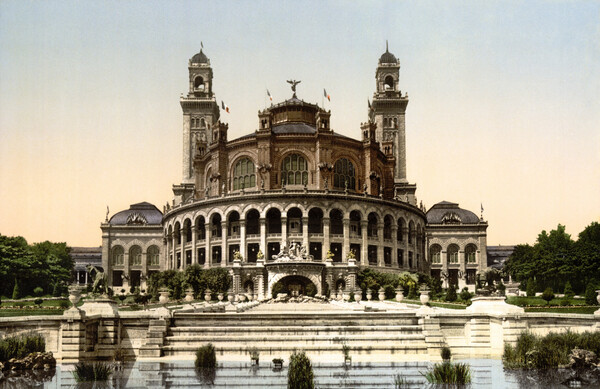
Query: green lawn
{"points": [[524, 301], [585, 310]]}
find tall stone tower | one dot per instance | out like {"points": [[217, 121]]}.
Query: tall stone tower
{"points": [[388, 113], [200, 114]]}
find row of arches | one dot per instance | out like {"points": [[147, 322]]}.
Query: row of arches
{"points": [[452, 254], [372, 224], [135, 255], [294, 171]]}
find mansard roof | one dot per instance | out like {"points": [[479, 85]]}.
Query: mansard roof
{"points": [[138, 214]]}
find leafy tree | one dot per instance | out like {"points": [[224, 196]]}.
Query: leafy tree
{"points": [[465, 295], [530, 287]]}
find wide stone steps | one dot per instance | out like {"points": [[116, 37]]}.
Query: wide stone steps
{"points": [[296, 330]]}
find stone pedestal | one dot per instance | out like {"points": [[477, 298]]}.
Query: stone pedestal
{"points": [[101, 306]]}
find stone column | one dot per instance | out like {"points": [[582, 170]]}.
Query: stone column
{"points": [[224, 243], [126, 272], [194, 239], [207, 248], [326, 243], [263, 236], [462, 260], [380, 261], [305, 233], [283, 229], [394, 245], [243, 239], [444, 260], [364, 255], [346, 245], [173, 260]]}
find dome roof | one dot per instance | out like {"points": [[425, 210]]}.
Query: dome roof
{"points": [[199, 58], [388, 57], [137, 214], [449, 213]]}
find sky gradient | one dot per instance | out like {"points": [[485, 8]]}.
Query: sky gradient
{"points": [[504, 104]]}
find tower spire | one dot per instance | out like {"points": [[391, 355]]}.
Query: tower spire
{"points": [[386, 46]]}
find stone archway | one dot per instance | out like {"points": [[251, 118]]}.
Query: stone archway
{"points": [[311, 272]]}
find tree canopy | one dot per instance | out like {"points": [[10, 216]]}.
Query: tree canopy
{"points": [[556, 258], [40, 265]]}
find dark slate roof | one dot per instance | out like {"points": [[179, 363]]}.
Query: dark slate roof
{"points": [[388, 57], [497, 255], [137, 214], [446, 213], [199, 58], [294, 128]]}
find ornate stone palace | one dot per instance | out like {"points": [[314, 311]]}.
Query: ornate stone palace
{"points": [[294, 199]]}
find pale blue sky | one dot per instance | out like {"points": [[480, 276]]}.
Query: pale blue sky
{"points": [[504, 100]]}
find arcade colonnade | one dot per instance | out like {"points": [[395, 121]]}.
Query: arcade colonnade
{"points": [[379, 233]]}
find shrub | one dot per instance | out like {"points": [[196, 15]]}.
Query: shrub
{"points": [[20, 346], [278, 288], [465, 295], [16, 293], [206, 357], [38, 302], [568, 292], [435, 287], [390, 291], [449, 373], [548, 295], [38, 291], [300, 372], [412, 293], [400, 382], [95, 371], [451, 294], [530, 288], [64, 304], [446, 353], [590, 294]]}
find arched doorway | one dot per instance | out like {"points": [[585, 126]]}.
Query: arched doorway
{"points": [[294, 286]]}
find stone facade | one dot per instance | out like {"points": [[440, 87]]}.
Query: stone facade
{"points": [[345, 202]]}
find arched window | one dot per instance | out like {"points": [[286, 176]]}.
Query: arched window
{"points": [[343, 172], [452, 253], [294, 170], [389, 82], [199, 83], [153, 254], [135, 256], [244, 175], [471, 253], [117, 255], [435, 252]]}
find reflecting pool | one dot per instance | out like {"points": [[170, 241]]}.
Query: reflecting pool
{"points": [[486, 373]]}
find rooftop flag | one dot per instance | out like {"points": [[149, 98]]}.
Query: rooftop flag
{"points": [[224, 106], [326, 95], [269, 94]]}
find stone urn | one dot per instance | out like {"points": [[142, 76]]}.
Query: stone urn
{"points": [[381, 295], [230, 297], [399, 294], [250, 296], [597, 297], [346, 296], [207, 295], [242, 297], [220, 296], [358, 295], [163, 297], [189, 295], [424, 297], [74, 295], [369, 295]]}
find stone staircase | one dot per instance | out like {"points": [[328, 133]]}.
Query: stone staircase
{"points": [[379, 336]]}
